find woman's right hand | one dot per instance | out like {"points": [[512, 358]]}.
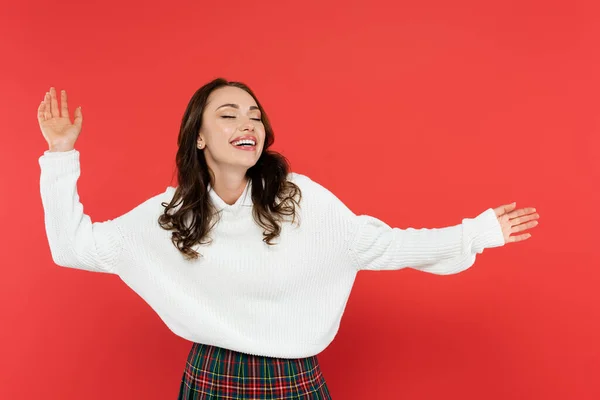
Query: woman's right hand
{"points": [[56, 126]]}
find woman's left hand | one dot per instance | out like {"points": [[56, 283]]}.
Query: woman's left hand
{"points": [[513, 220]]}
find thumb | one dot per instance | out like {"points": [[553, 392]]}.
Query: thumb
{"points": [[78, 117], [501, 210]]}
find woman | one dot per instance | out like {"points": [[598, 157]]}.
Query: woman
{"points": [[249, 261]]}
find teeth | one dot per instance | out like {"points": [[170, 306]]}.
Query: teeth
{"points": [[244, 141]]}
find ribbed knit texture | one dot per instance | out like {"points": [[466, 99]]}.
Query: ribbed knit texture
{"points": [[284, 300]]}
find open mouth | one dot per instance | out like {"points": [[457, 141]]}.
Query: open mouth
{"points": [[244, 144]]}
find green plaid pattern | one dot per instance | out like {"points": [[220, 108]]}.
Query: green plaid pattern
{"points": [[213, 372]]}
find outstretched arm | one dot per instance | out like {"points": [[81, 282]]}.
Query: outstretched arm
{"points": [[371, 244], [448, 250]]}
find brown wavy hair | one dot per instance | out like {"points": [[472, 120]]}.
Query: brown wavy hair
{"points": [[192, 215]]}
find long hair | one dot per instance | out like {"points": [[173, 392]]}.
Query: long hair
{"points": [[273, 196]]}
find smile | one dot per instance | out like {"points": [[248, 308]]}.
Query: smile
{"points": [[245, 147], [244, 144]]}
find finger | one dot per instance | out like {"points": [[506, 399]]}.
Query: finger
{"points": [[522, 227], [521, 213], [40, 112], [524, 218], [504, 209], [54, 102], [519, 238], [78, 117], [47, 113], [64, 107]]}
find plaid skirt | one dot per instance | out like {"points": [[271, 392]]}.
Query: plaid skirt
{"points": [[213, 372]]}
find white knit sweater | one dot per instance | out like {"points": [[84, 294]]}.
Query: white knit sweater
{"points": [[284, 300]]}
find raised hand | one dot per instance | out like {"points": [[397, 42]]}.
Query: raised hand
{"points": [[513, 221], [56, 125]]}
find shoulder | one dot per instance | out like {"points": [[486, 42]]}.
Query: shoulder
{"points": [[315, 193], [308, 185], [148, 210], [158, 198]]}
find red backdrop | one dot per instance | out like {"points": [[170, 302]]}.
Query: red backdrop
{"points": [[418, 113]]}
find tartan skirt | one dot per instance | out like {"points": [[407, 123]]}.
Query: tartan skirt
{"points": [[213, 372]]}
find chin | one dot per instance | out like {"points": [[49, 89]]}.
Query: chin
{"points": [[249, 165], [249, 162], [246, 160]]}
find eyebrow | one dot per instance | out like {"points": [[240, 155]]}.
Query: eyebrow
{"points": [[236, 106]]}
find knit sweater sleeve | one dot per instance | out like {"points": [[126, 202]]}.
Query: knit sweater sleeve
{"points": [[374, 245], [75, 241], [448, 250]]}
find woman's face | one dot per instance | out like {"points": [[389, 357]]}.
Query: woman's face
{"points": [[231, 114]]}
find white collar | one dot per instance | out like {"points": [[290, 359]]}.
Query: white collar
{"points": [[244, 200]]}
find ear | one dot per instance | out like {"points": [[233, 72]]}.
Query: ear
{"points": [[200, 142]]}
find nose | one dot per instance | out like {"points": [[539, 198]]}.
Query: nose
{"points": [[248, 125]]}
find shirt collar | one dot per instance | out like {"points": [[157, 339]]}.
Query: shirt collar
{"points": [[245, 199]]}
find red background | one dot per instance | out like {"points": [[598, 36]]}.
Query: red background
{"points": [[418, 113]]}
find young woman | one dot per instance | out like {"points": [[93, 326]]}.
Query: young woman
{"points": [[252, 263]]}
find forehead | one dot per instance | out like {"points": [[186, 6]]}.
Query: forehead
{"points": [[230, 94]]}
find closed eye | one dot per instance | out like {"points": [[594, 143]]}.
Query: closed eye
{"points": [[231, 116]]}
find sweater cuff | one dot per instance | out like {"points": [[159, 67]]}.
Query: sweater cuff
{"points": [[485, 231], [58, 153], [59, 162]]}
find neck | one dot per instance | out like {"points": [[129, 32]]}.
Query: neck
{"points": [[229, 186]]}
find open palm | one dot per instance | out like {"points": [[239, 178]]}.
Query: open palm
{"points": [[55, 123], [512, 221]]}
